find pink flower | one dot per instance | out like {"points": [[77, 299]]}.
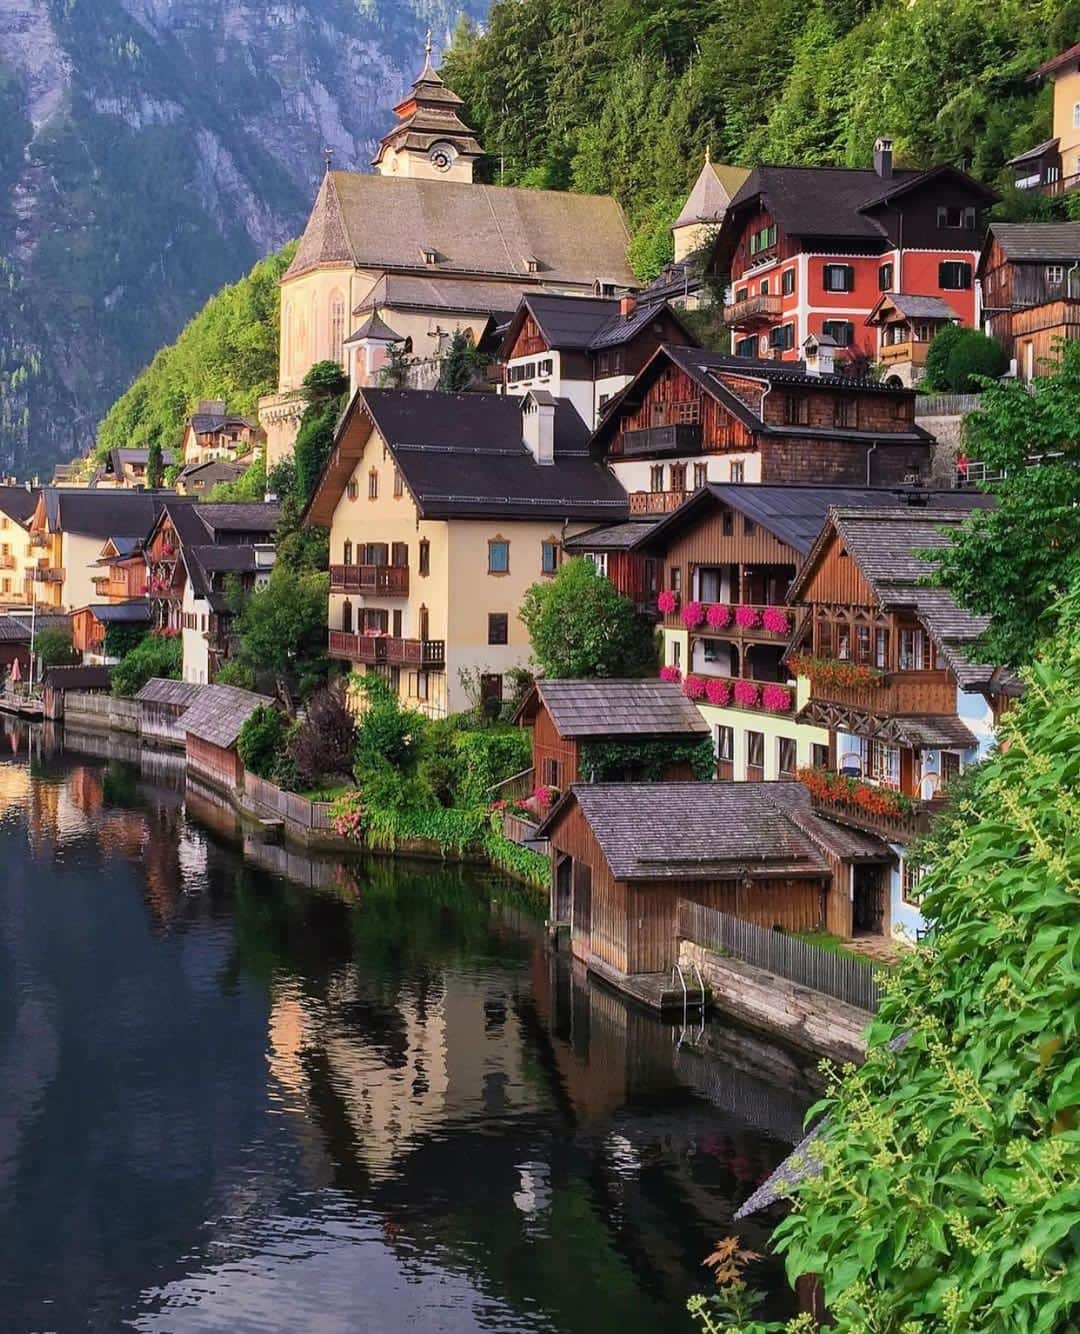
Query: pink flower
{"points": [[693, 614], [542, 797], [670, 674], [694, 687], [718, 615], [776, 621], [667, 601], [718, 691], [746, 693], [776, 699], [747, 617]]}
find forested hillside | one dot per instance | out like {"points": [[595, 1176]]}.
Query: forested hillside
{"points": [[620, 96]]}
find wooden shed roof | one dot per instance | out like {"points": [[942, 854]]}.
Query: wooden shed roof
{"points": [[631, 708], [160, 690], [218, 713]]}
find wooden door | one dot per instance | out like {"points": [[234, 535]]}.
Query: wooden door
{"points": [[868, 906], [564, 873], [581, 933]]}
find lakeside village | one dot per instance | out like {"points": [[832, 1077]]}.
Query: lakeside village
{"points": [[654, 627]]}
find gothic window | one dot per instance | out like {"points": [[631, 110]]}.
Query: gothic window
{"points": [[337, 328]]}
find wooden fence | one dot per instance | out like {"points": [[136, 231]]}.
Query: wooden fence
{"points": [[838, 975], [287, 805], [514, 788], [945, 405], [122, 715]]}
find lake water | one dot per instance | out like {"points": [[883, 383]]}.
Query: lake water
{"points": [[245, 1090]]}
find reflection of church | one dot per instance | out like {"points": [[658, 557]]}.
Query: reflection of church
{"points": [[419, 250]]}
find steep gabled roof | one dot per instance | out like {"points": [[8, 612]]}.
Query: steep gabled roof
{"points": [[19, 503], [716, 186], [1056, 62], [160, 690], [103, 514], [134, 612], [585, 323], [637, 708], [913, 307], [612, 537], [217, 714], [1038, 242]]}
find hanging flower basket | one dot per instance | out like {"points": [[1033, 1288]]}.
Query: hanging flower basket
{"points": [[777, 622], [693, 614], [746, 694], [748, 617], [694, 687], [717, 691], [667, 602], [776, 699], [718, 615], [670, 674]]}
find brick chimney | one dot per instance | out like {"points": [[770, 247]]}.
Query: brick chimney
{"points": [[883, 157], [627, 306]]}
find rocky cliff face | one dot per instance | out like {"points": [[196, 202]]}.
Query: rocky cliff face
{"points": [[150, 151]]}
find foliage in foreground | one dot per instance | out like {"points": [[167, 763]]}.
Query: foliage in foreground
{"points": [[949, 1192], [155, 655]]}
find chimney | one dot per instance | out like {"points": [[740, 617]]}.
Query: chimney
{"points": [[538, 425], [627, 306], [883, 157], [819, 355]]}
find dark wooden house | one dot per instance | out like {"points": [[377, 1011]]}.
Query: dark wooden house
{"points": [[1030, 274], [565, 716], [624, 854], [212, 725]]}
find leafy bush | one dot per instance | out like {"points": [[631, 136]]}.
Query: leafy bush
{"points": [[282, 627], [155, 655], [972, 356], [249, 486], [53, 648], [234, 673], [486, 758], [935, 377], [121, 638], [262, 740], [323, 745], [646, 761], [387, 735], [324, 392]]}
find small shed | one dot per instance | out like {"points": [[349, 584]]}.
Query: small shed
{"points": [[162, 705], [58, 681], [14, 646], [565, 716], [211, 726], [623, 854]]}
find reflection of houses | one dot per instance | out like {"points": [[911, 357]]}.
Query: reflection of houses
{"points": [[892, 676], [567, 718], [692, 417], [1030, 274], [624, 854]]}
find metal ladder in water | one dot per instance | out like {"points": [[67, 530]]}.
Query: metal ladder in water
{"points": [[677, 972]]}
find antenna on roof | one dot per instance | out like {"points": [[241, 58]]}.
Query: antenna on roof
{"points": [[328, 154]]}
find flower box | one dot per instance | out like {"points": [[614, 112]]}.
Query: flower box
{"points": [[746, 694], [747, 617], [718, 615], [776, 621], [670, 674], [667, 602], [777, 699], [718, 691], [692, 615], [694, 687], [836, 672]]}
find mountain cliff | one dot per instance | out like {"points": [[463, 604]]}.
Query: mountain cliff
{"points": [[153, 150]]}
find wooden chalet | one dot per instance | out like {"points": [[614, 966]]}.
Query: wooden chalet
{"points": [[90, 624], [691, 417], [565, 716], [906, 326], [212, 432], [57, 681], [1030, 273], [618, 552], [211, 725], [162, 705], [122, 570], [624, 854]]}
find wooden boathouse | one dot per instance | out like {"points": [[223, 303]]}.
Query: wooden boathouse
{"points": [[212, 725]]}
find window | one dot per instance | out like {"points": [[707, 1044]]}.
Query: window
{"points": [[785, 757], [763, 288], [755, 752], [881, 650], [763, 239], [498, 627], [353, 490], [741, 293], [1055, 275], [687, 414], [399, 554], [425, 556], [863, 645], [701, 475], [748, 527], [373, 485], [910, 877], [954, 276], [549, 557], [549, 773], [678, 477], [544, 368], [337, 328], [782, 338], [1076, 115], [725, 742], [346, 554], [912, 650], [738, 474], [399, 484], [954, 215], [787, 282], [420, 685], [676, 654], [885, 277], [727, 519], [842, 330], [599, 561], [838, 277], [796, 410], [819, 755], [656, 477], [746, 347], [498, 556], [676, 578], [397, 624], [843, 412], [885, 763]]}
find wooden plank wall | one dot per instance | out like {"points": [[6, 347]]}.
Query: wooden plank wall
{"points": [[549, 745], [212, 762], [607, 938]]}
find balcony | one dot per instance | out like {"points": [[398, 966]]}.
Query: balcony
{"points": [[389, 649], [39, 539], [1062, 186], [752, 310], [893, 354], [656, 502], [682, 439], [884, 694], [910, 818], [745, 693], [49, 576], [383, 580], [743, 620]]}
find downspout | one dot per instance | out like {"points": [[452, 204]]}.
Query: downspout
{"points": [[869, 451]]}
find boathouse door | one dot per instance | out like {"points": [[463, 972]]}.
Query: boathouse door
{"points": [[564, 884], [581, 935], [868, 906]]}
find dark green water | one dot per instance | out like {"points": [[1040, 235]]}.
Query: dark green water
{"points": [[301, 1096]]}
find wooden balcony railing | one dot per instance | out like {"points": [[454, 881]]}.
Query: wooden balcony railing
{"points": [[656, 502], [745, 693], [1061, 186], [745, 620], [383, 580], [752, 310], [39, 539], [52, 575], [390, 649], [669, 439], [926, 692], [911, 350]]}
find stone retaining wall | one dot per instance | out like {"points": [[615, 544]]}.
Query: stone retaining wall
{"points": [[90, 710]]}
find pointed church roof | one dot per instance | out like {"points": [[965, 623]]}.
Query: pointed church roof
{"points": [[716, 186], [325, 239], [427, 114]]}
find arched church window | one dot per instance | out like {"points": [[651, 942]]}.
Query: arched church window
{"points": [[337, 328]]}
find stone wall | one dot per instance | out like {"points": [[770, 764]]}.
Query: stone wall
{"points": [[806, 1018], [89, 710]]}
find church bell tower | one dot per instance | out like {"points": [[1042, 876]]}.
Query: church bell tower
{"points": [[430, 140]]}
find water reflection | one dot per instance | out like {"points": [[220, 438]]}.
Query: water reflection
{"points": [[271, 1092]]}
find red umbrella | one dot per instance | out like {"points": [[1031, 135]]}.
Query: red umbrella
{"points": [[16, 672]]}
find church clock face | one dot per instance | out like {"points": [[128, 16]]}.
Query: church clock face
{"points": [[441, 156]]}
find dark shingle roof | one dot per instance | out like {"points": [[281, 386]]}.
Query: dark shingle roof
{"points": [[104, 514], [1039, 242], [399, 291], [613, 537], [218, 713], [77, 678], [916, 307], [13, 631], [374, 327], [160, 690], [569, 322], [122, 457], [18, 503], [702, 831], [642, 708], [231, 517], [121, 613], [1030, 153], [207, 423]]}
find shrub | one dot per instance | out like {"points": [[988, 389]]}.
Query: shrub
{"points": [[937, 358], [121, 638], [974, 356], [387, 735], [646, 761], [324, 743], [233, 673], [53, 648], [262, 740], [487, 758], [155, 655]]}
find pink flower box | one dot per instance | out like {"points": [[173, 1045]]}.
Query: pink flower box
{"points": [[667, 601], [718, 692], [693, 614], [777, 622], [746, 694], [718, 615], [776, 699], [747, 617], [670, 674], [694, 687]]}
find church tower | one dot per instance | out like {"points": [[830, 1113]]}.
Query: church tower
{"points": [[430, 141]]}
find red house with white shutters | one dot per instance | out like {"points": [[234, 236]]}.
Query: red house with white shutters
{"points": [[811, 250]]}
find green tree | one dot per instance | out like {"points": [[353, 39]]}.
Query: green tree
{"points": [[324, 389], [457, 364], [581, 626], [262, 740], [1013, 562], [395, 374], [155, 655], [155, 466], [973, 357], [249, 486], [935, 378], [282, 628], [53, 648], [121, 638]]}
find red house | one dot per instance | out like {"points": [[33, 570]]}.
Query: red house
{"points": [[810, 250]]}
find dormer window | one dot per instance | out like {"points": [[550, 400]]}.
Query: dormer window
{"points": [[532, 264], [430, 256]]}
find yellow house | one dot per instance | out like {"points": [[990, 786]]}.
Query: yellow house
{"points": [[443, 509], [17, 556], [420, 250], [1054, 165]]}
